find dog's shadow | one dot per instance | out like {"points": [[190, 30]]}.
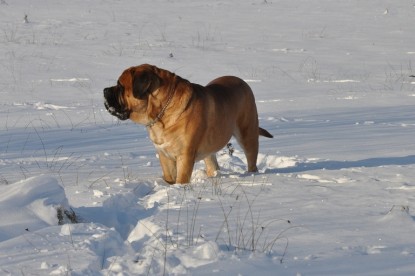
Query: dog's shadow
{"points": [[338, 165]]}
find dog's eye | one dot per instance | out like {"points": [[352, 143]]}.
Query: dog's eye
{"points": [[120, 87]]}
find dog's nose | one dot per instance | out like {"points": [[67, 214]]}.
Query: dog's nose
{"points": [[107, 92]]}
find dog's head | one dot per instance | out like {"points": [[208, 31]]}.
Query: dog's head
{"points": [[129, 97]]}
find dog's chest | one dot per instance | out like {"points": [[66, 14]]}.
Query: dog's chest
{"points": [[163, 145], [165, 148]]}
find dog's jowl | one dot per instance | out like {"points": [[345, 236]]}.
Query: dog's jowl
{"points": [[187, 122]]}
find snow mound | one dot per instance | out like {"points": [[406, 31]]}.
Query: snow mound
{"points": [[32, 203], [31, 237], [236, 163], [200, 255], [270, 162], [398, 215], [71, 249]]}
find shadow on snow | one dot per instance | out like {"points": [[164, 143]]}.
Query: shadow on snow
{"points": [[338, 165]]}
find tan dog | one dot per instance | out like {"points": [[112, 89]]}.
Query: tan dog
{"points": [[187, 122]]}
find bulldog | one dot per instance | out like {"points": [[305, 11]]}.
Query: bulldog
{"points": [[185, 121]]}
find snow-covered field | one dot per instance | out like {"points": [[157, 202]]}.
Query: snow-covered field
{"points": [[336, 189]]}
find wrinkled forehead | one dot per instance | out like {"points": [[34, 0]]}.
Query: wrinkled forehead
{"points": [[126, 78]]}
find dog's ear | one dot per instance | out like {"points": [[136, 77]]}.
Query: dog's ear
{"points": [[144, 83]]}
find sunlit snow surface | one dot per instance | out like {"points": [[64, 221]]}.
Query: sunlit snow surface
{"points": [[336, 186]]}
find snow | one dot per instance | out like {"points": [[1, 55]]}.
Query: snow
{"points": [[335, 190]]}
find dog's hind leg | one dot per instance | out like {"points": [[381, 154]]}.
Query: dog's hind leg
{"points": [[211, 165], [248, 140], [250, 147]]}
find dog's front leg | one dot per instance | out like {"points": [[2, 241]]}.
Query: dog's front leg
{"points": [[184, 165], [169, 168]]}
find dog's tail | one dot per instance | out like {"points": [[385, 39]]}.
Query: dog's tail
{"points": [[265, 133]]}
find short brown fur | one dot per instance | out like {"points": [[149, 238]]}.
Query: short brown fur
{"points": [[185, 121]]}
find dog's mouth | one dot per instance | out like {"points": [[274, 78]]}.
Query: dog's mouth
{"points": [[113, 105], [122, 115]]}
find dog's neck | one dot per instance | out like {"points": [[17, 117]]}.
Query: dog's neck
{"points": [[152, 122]]}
